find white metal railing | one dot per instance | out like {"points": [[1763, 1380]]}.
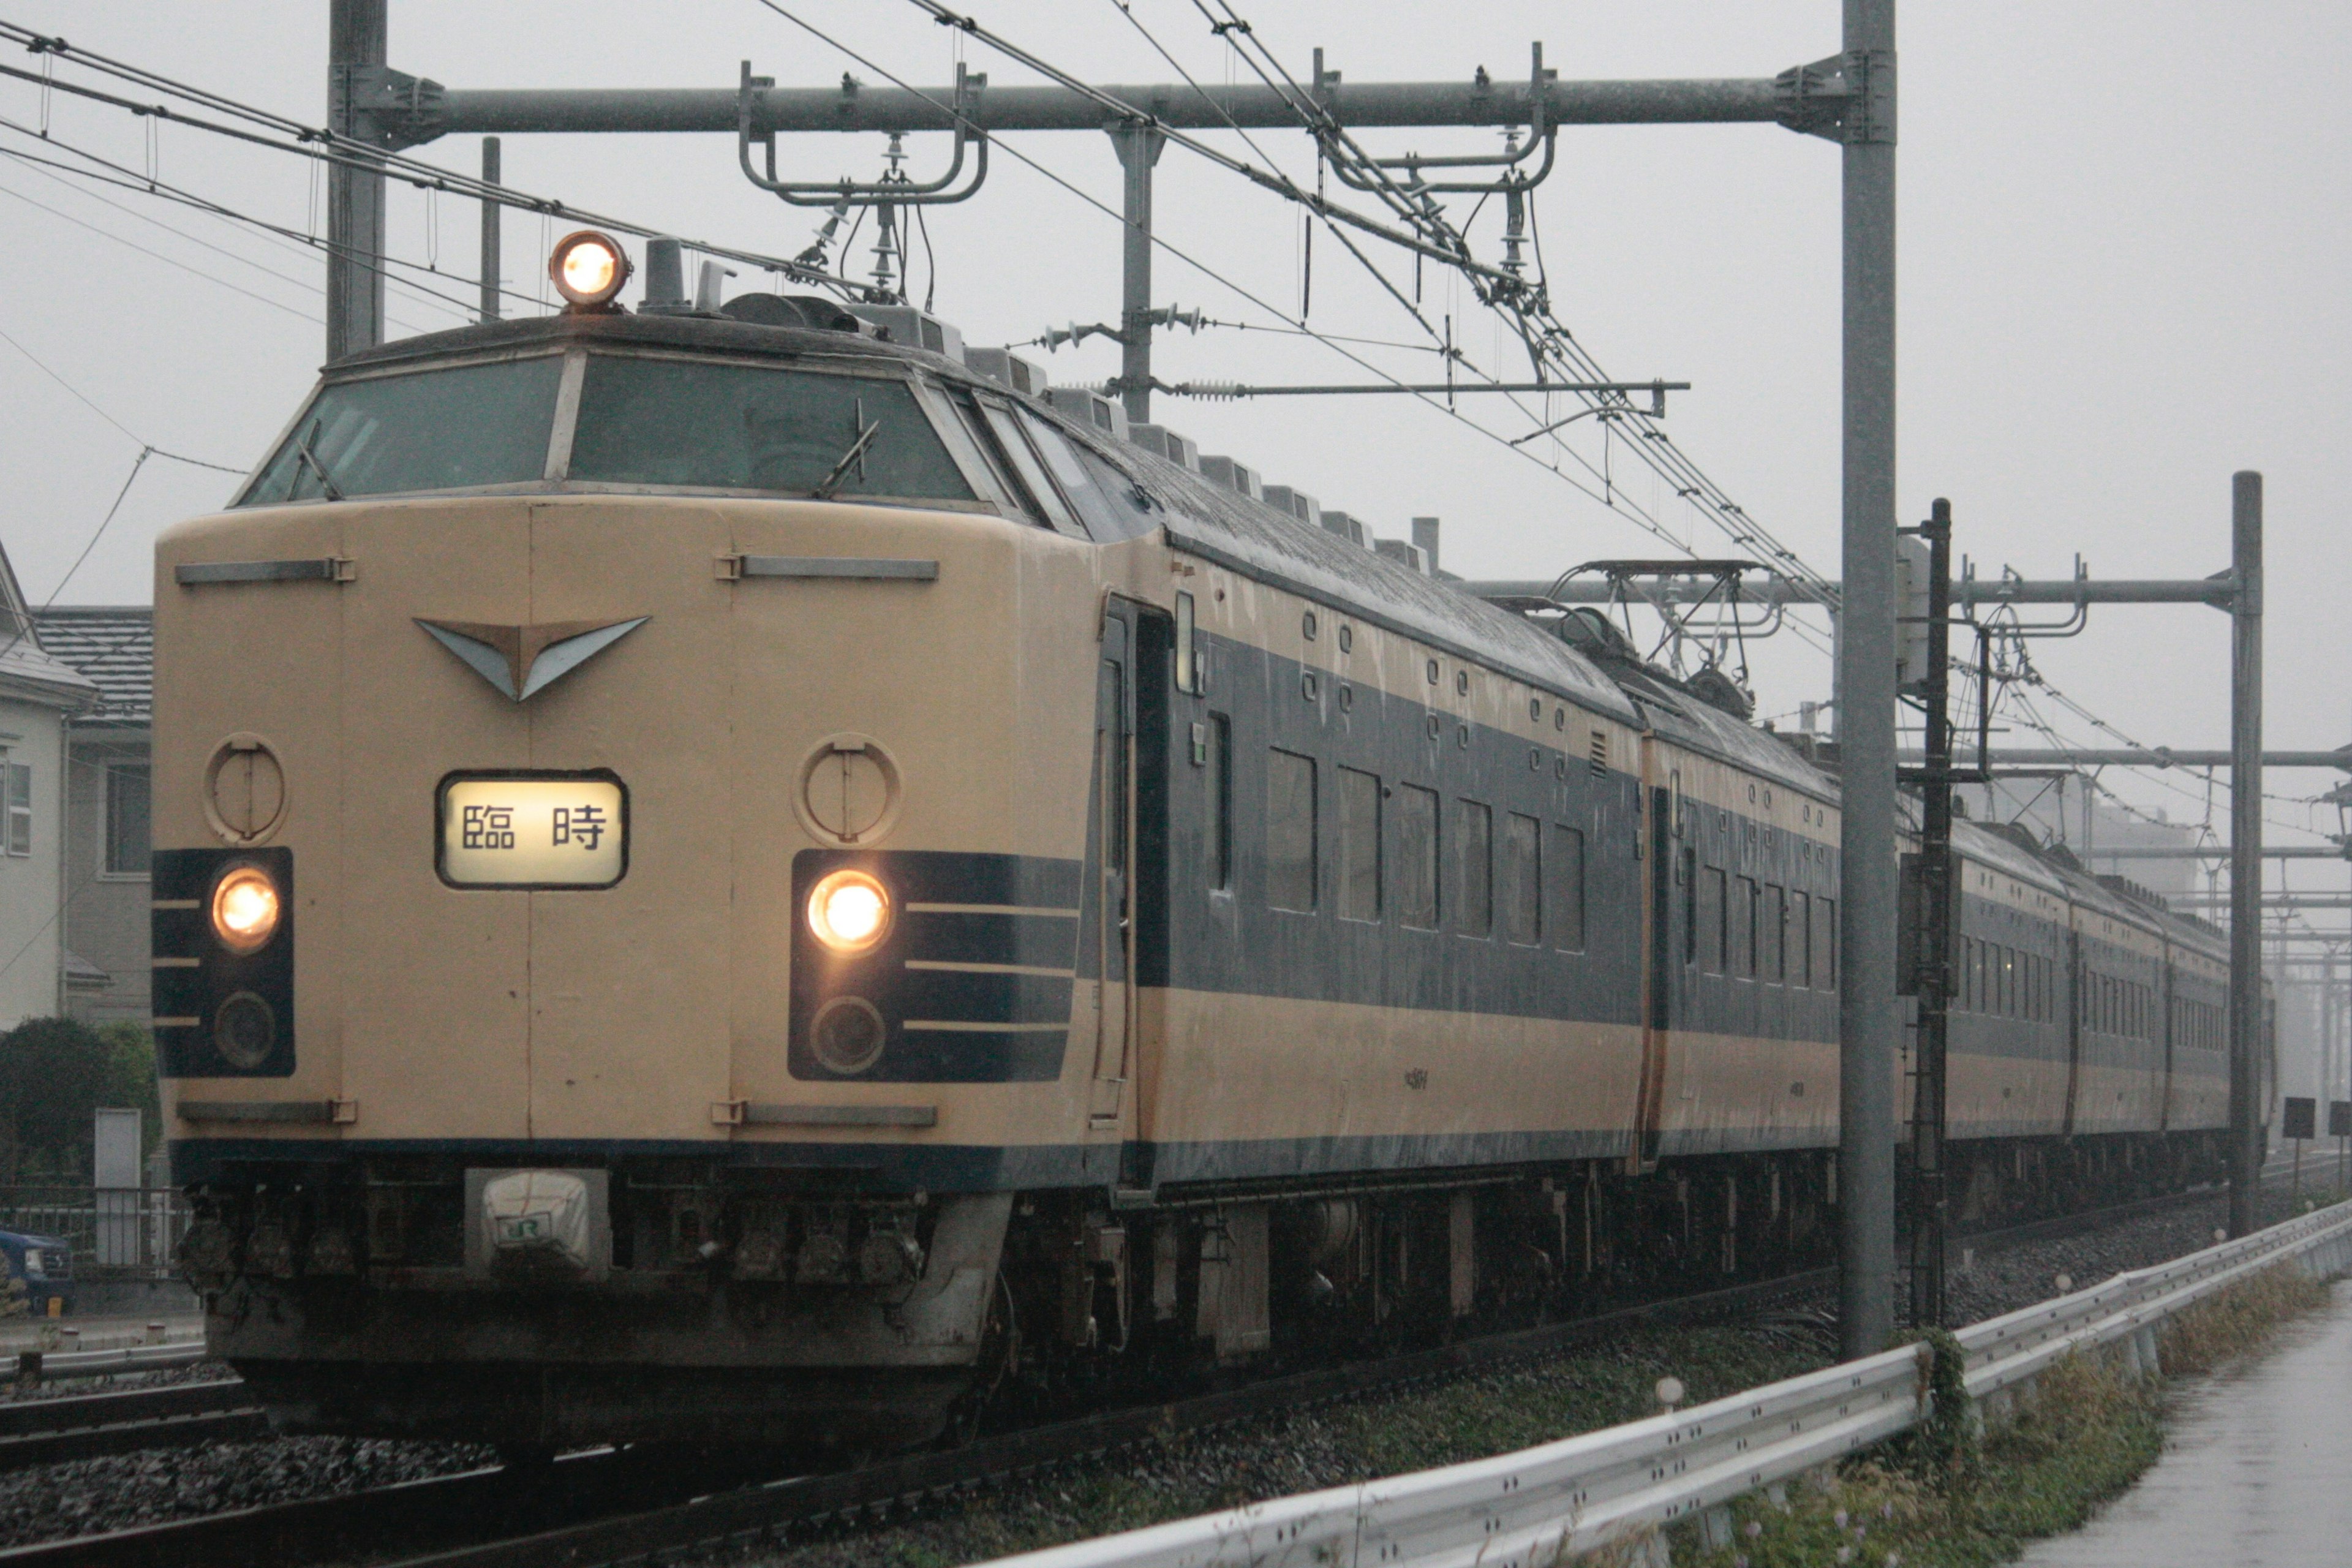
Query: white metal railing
{"points": [[1544, 1505]]}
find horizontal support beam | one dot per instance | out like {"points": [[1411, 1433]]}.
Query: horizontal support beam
{"points": [[520, 111], [2130, 757], [2272, 900], [1218, 391], [2219, 852], [1684, 590]]}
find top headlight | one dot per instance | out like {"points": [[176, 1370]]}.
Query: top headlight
{"points": [[588, 268]]}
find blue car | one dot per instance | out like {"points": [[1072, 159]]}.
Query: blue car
{"points": [[44, 1264]]}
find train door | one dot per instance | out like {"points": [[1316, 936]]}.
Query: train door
{"points": [[1111, 931], [1659, 804], [2074, 981], [2164, 1096], [1129, 847]]}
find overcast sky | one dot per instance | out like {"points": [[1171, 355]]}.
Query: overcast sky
{"points": [[2122, 246]]}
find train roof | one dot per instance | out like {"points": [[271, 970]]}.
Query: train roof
{"points": [[1223, 526]]}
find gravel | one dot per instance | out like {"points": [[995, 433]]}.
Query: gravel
{"points": [[14, 1393], [2018, 1277]]}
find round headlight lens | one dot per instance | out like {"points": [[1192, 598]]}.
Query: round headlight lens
{"points": [[245, 910], [849, 912], [588, 268]]}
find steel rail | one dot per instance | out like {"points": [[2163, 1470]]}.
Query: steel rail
{"points": [[50, 1431]]}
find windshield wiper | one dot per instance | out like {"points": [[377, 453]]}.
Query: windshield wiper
{"points": [[305, 456], [856, 454]]}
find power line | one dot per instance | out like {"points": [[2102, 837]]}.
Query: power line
{"points": [[78, 181], [1496, 289], [1162, 243], [159, 256], [110, 419], [323, 145]]}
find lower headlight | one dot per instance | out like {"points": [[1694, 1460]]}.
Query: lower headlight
{"points": [[245, 910], [849, 912]]}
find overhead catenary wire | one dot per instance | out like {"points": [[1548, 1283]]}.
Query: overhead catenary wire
{"points": [[1690, 482], [322, 145]]}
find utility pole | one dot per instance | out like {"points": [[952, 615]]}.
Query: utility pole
{"points": [[1139, 149], [491, 212], [1932, 974], [2245, 848], [355, 64], [1868, 1022]]}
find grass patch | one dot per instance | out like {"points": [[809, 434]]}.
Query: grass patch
{"points": [[2078, 1436]]}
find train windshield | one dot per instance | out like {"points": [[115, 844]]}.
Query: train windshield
{"points": [[454, 429], [708, 425]]}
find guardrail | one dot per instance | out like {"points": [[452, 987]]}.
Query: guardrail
{"points": [[1545, 1505]]}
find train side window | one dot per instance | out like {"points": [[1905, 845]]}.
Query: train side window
{"points": [[1745, 905], [1023, 458], [1358, 869], [1568, 889], [1474, 854], [1825, 913], [1107, 518], [1714, 917], [1416, 861], [1220, 799], [1773, 934], [1290, 831], [1800, 938], [1188, 668], [1522, 880]]}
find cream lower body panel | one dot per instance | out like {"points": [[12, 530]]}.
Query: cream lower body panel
{"points": [[1238, 1087]]}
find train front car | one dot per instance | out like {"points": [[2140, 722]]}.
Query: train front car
{"points": [[622, 786]]}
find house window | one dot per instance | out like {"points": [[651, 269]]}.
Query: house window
{"points": [[1416, 862], [1360, 845], [128, 836], [1290, 831], [19, 794]]}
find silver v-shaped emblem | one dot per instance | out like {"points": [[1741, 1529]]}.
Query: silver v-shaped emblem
{"points": [[522, 661]]}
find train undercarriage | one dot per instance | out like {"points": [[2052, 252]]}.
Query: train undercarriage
{"points": [[786, 1309]]}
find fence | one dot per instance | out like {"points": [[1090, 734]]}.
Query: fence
{"points": [[1547, 1505], [116, 1232]]}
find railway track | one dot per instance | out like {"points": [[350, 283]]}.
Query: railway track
{"points": [[571, 1514], [83, 1427]]}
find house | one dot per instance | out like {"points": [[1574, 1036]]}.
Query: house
{"points": [[39, 697], [106, 846]]}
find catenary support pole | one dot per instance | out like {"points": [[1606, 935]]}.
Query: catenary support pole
{"points": [[355, 58], [1931, 976], [491, 212], [2245, 848], [1139, 149], [1867, 1019]]}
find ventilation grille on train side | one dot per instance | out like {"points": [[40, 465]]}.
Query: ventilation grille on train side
{"points": [[1600, 754]]}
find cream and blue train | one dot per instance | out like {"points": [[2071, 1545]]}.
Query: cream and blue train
{"points": [[725, 876]]}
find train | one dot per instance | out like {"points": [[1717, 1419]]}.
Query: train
{"points": [[757, 876]]}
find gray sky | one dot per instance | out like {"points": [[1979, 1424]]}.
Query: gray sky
{"points": [[2123, 239]]}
